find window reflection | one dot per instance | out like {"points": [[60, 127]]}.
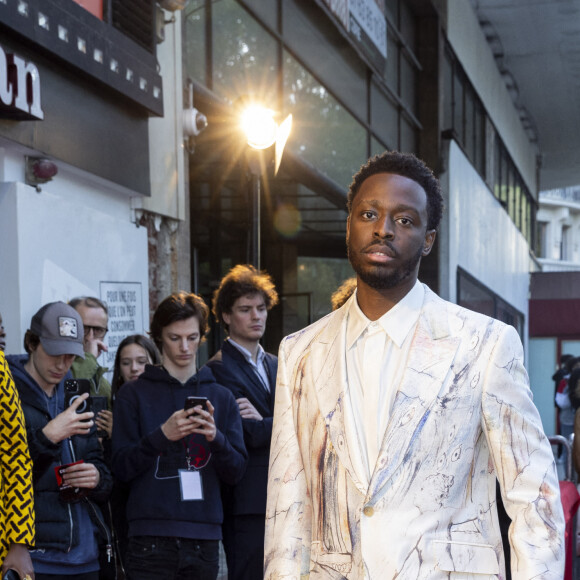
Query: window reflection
{"points": [[244, 55], [323, 131]]}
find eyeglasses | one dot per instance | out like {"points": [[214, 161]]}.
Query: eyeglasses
{"points": [[98, 331]]}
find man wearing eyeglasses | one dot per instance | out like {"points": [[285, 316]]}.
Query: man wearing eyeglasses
{"points": [[95, 316]]}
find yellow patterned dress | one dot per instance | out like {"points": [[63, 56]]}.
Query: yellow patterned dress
{"points": [[16, 500]]}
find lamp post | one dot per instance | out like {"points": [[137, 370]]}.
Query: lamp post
{"points": [[261, 132]]}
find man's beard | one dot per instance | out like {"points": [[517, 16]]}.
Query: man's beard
{"points": [[380, 278]]}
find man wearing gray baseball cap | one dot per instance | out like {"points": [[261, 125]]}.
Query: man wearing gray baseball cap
{"points": [[67, 458]]}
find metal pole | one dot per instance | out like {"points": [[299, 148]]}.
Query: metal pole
{"points": [[256, 233]]}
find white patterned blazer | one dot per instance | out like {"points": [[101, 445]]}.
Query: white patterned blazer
{"points": [[462, 417]]}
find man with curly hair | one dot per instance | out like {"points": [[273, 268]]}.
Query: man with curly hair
{"points": [[241, 305]]}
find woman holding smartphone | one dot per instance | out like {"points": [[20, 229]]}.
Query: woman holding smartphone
{"points": [[175, 459]]}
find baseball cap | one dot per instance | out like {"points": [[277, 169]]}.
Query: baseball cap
{"points": [[60, 329]]}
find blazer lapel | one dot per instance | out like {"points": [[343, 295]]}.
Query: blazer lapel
{"points": [[430, 358], [329, 378], [252, 384]]}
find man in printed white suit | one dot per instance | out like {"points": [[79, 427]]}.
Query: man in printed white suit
{"points": [[396, 414]]}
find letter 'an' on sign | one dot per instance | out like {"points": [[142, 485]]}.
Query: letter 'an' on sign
{"points": [[19, 88]]}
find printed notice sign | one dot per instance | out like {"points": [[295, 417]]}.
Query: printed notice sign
{"points": [[125, 302]]}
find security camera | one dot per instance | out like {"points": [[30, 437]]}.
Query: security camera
{"points": [[194, 122]]}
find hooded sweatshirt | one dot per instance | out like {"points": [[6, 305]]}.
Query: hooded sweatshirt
{"points": [[66, 534], [150, 463]]}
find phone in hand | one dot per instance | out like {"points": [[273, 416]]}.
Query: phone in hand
{"points": [[193, 401], [73, 389], [99, 404]]}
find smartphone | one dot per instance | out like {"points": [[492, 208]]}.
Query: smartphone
{"points": [[74, 388], [99, 404], [192, 401]]}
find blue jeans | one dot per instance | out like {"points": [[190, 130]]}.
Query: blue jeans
{"points": [[166, 558]]}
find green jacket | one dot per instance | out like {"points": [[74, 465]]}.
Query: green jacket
{"points": [[89, 368]]}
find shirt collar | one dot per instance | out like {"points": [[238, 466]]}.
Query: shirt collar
{"points": [[247, 354], [397, 322]]}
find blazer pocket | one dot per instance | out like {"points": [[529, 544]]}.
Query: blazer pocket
{"points": [[465, 560]]}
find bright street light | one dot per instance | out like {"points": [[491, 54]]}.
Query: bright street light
{"points": [[259, 126], [261, 132]]}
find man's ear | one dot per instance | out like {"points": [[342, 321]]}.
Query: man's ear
{"points": [[347, 228], [226, 318], [430, 236]]}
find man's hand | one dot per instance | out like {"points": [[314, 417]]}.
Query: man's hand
{"points": [[104, 421], [247, 410], [183, 423], [94, 346], [18, 559], [69, 422], [84, 475]]}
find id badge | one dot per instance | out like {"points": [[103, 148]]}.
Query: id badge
{"points": [[191, 487]]}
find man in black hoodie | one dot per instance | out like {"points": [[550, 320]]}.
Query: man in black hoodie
{"points": [[69, 524], [173, 459]]}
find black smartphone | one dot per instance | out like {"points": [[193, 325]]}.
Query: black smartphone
{"points": [[99, 404], [193, 401], [74, 388]]}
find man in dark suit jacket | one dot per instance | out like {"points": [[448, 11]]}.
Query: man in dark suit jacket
{"points": [[241, 305]]}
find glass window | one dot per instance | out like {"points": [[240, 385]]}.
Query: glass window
{"points": [[518, 204], [392, 10], [320, 277], [244, 55], [407, 26], [377, 147], [408, 83], [497, 167], [542, 247], [526, 218], [408, 136], [195, 42], [447, 92], [392, 73], [475, 296], [323, 132], [268, 11], [510, 191], [479, 138], [384, 118], [470, 123], [458, 90], [315, 40]]}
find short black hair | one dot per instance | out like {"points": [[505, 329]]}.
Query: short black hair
{"points": [[179, 306], [406, 165], [242, 280]]}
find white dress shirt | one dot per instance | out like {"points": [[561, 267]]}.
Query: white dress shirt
{"points": [[376, 353]]}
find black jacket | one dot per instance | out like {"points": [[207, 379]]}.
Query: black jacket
{"points": [[150, 463], [56, 526], [233, 371]]}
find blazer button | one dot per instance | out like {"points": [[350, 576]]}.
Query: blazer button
{"points": [[368, 511]]}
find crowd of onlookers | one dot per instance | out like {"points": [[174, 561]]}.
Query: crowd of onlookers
{"points": [[141, 477]]}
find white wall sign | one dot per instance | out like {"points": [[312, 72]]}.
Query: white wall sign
{"points": [[125, 302], [365, 20], [20, 86]]}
